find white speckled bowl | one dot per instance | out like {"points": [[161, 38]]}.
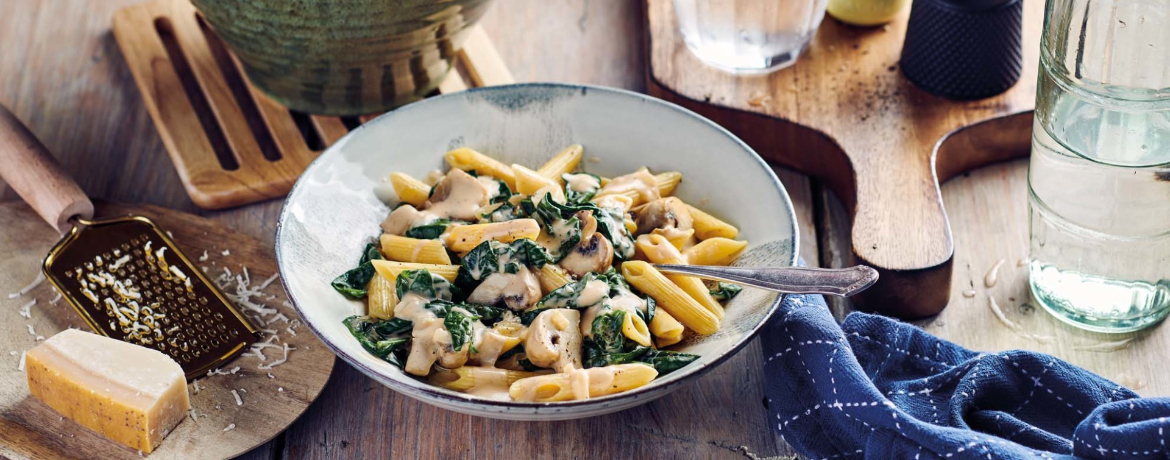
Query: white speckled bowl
{"points": [[334, 209]]}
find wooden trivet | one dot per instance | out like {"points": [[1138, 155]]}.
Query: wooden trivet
{"points": [[230, 143], [845, 115]]}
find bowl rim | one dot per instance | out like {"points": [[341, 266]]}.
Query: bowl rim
{"points": [[423, 390]]}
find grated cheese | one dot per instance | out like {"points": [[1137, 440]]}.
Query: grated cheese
{"points": [[280, 389], [26, 310], [31, 331], [226, 252], [271, 376], [56, 299], [278, 362], [239, 402], [203, 258], [20, 365], [230, 427], [120, 262], [33, 285]]}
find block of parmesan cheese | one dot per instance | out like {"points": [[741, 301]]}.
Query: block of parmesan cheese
{"points": [[128, 393]]}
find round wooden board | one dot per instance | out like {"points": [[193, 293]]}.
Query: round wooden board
{"points": [[31, 430]]}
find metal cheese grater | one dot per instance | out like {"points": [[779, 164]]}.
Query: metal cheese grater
{"points": [[124, 275]]}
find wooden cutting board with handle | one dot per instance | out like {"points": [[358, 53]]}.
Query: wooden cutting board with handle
{"points": [[220, 425], [845, 114]]}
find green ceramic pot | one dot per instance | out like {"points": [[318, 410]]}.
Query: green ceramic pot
{"points": [[343, 57]]}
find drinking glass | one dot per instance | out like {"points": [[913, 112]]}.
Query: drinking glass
{"points": [[748, 36], [1099, 177]]}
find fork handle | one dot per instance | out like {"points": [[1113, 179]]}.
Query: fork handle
{"points": [[791, 280], [36, 176]]}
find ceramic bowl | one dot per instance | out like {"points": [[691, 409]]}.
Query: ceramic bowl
{"points": [[337, 204]]}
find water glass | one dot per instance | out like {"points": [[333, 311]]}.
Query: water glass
{"points": [[748, 36], [1099, 177]]}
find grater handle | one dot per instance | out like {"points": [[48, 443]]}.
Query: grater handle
{"points": [[36, 176]]}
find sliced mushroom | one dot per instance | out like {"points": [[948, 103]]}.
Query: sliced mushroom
{"points": [[663, 213], [592, 255], [458, 196], [517, 291], [554, 340]]}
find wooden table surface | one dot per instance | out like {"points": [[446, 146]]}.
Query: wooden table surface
{"points": [[61, 72]]}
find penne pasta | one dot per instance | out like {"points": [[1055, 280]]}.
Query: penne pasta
{"points": [[582, 383], [470, 160], [667, 329], [468, 378], [464, 238], [658, 250], [382, 297], [708, 226], [667, 182], [634, 328], [714, 251], [670, 297], [409, 189], [539, 305], [563, 162], [529, 181], [552, 277], [680, 239], [390, 269], [403, 249]]}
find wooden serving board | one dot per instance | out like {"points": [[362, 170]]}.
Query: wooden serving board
{"points": [[31, 430], [846, 115], [211, 118]]}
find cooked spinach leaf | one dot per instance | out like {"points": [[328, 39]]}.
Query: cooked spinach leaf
{"points": [[354, 283], [610, 222], [567, 296], [666, 361], [460, 324], [582, 196], [485, 259], [501, 195], [488, 314], [725, 291], [392, 326], [560, 222], [424, 283], [367, 331], [651, 308], [429, 231], [607, 339]]}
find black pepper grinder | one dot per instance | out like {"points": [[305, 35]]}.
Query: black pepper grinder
{"points": [[964, 49]]}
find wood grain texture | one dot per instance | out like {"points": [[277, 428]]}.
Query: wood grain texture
{"points": [[845, 115], [232, 144], [32, 430]]}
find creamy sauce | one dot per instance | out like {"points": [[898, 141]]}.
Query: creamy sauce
{"points": [[582, 183], [430, 341], [556, 192], [624, 300], [641, 183], [517, 291], [460, 196], [620, 203], [678, 237], [593, 292], [579, 383]]}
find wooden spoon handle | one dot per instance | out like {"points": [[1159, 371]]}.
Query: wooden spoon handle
{"points": [[37, 177]]}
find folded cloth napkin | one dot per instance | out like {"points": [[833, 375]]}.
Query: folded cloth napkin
{"points": [[878, 388]]}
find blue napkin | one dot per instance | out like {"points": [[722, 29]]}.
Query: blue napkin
{"points": [[878, 388]]}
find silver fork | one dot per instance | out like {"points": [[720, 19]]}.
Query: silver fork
{"points": [[791, 280]]}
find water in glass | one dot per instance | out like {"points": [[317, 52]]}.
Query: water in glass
{"points": [[1099, 177]]}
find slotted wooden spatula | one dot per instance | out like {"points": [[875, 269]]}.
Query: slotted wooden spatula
{"points": [[124, 275]]}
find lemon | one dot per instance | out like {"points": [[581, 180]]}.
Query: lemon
{"points": [[865, 12]]}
